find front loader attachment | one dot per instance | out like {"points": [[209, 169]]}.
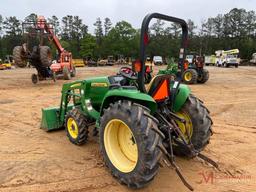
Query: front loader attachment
{"points": [[50, 119]]}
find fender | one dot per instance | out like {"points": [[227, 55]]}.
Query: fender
{"points": [[131, 95], [181, 97]]}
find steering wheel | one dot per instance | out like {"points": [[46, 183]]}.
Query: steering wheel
{"points": [[128, 73]]}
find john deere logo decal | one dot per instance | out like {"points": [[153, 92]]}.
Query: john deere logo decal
{"points": [[76, 85], [99, 84]]}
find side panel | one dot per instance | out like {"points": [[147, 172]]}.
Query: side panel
{"points": [[96, 88], [181, 97]]}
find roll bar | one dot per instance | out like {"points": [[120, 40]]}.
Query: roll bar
{"points": [[144, 41]]}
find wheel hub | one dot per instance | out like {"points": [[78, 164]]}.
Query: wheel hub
{"points": [[187, 127], [188, 76], [72, 128], [120, 145]]}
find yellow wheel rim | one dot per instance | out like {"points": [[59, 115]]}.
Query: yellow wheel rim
{"points": [[72, 128], [187, 127], [120, 145], [188, 76]]}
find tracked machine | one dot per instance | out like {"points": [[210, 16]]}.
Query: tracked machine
{"points": [[40, 56]]}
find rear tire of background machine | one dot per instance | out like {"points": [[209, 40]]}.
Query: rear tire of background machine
{"points": [[73, 73], [130, 143], [76, 127], [34, 78], [66, 73], [45, 56], [198, 123], [190, 76], [236, 65], [17, 57], [204, 77]]}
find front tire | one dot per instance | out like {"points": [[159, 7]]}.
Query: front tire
{"points": [[190, 76], [76, 127], [129, 142], [34, 78], [197, 127]]}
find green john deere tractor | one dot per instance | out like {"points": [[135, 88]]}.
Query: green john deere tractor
{"points": [[138, 125], [188, 72]]}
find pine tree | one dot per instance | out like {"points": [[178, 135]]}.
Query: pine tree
{"points": [[107, 25], [98, 30]]}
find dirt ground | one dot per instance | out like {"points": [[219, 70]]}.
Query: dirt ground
{"points": [[33, 160]]}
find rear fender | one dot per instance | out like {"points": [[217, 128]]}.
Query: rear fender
{"points": [[181, 97], [130, 95]]}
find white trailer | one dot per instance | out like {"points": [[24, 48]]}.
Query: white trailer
{"points": [[209, 59]]}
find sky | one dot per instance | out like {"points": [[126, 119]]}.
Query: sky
{"points": [[132, 11]]}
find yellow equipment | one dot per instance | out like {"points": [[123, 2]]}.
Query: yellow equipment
{"points": [[78, 62], [8, 61]]}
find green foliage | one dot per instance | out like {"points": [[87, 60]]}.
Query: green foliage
{"points": [[88, 45], [98, 31], [54, 21], [31, 18], [12, 26]]}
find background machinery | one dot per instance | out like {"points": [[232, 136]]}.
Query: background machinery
{"points": [[209, 60], [191, 71], [106, 62], [195, 72], [40, 56], [253, 60], [138, 124], [7, 62], [227, 58]]}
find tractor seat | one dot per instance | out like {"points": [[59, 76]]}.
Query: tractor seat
{"points": [[159, 87], [118, 81]]}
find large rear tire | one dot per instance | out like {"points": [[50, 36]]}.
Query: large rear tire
{"points": [[130, 143], [18, 57], [197, 127], [203, 77], [190, 76], [45, 56]]}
